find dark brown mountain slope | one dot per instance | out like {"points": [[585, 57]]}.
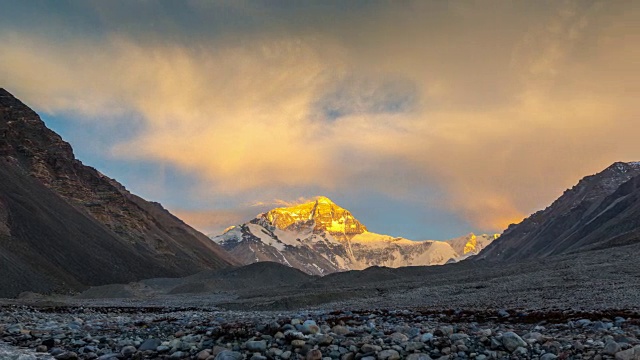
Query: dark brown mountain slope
{"points": [[64, 224], [601, 210]]}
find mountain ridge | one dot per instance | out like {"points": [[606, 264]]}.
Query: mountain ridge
{"points": [[99, 210], [577, 220], [320, 237]]}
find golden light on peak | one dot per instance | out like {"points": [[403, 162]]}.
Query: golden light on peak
{"points": [[322, 213]]}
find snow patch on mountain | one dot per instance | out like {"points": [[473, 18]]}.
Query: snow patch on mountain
{"points": [[320, 237]]}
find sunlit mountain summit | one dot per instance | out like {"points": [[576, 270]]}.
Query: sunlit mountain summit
{"points": [[323, 214], [320, 237]]}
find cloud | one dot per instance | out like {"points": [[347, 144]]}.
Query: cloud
{"points": [[213, 222], [499, 108]]}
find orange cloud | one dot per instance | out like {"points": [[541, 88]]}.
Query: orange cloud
{"points": [[212, 221], [509, 105]]}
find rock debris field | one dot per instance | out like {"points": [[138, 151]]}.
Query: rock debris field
{"points": [[66, 333]]}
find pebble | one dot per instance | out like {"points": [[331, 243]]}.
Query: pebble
{"points": [[511, 341], [611, 348], [388, 355], [229, 355], [258, 346]]}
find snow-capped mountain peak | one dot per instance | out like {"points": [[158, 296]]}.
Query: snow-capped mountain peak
{"points": [[320, 237], [322, 214]]}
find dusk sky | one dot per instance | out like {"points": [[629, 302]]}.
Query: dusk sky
{"points": [[426, 119]]}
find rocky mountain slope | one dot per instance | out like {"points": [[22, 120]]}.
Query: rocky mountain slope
{"points": [[320, 237], [602, 210], [64, 225]]}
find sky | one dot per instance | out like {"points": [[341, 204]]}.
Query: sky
{"points": [[426, 119]]}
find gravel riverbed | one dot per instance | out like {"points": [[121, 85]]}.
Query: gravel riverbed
{"points": [[416, 334]]}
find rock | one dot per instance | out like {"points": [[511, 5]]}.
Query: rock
{"points": [[388, 355], [511, 341], [533, 337], [324, 340], [273, 352], [150, 344], [340, 330], [108, 357], [629, 354], [128, 351], [298, 343], [285, 356], [548, 356], [426, 337], [348, 356], [611, 348], [418, 357], [163, 349], [15, 329], [314, 355], [369, 348], [309, 327], [177, 355], [26, 357], [41, 348], [520, 351], [413, 346], [446, 330], [399, 337], [203, 355], [458, 336], [256, 346], [583, 322], [67, 355]]}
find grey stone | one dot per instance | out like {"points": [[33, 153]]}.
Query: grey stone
{"points": [[520, 351], [314, 355], [611, 348], [298, 343], [418, 357], [426, 337], [458, 336], [399, 337], [324, 340], [340, 330], [511, 341], [128, 350], [259, 346], [150, 344], [348, 356], [629, 354], [67, 355], [369, 348], [388, 355], [413, 346], [203, 355]]}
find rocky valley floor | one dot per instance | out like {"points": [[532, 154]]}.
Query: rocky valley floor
{"points": [[577, 306], [157, 333]]}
